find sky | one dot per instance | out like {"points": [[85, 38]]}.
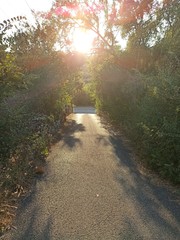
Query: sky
{"points": [[13, 8]]}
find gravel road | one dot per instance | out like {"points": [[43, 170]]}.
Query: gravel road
{"points": [[94, 190]]}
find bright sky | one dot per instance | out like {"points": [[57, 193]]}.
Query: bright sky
{"points": [[13, 8]]}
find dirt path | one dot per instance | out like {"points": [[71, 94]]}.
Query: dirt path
{"points": [[93, 190]]}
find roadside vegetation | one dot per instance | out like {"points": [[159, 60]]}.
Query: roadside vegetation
{"points": [[137, 87], [36, 85]]}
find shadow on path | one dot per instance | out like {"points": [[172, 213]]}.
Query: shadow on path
{"points": [[68, 135], [153, 202], [32, 228]]}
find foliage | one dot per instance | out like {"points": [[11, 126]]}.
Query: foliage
{"points": [[89, 16], [11, 76], [140, 88], [147, 107], [36, 84]]}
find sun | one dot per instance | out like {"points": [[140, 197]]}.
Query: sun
{"points": [[83, 41]]}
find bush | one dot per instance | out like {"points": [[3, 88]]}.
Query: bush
{"points": [[147, 106]]}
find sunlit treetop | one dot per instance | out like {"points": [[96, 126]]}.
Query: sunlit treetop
{"points": [[106, 18], [116, 10]]}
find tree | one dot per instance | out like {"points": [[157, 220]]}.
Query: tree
{"points": [[11, 75], [96, 16]]}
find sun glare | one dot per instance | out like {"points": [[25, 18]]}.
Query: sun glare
{"points": [[83, 41]]}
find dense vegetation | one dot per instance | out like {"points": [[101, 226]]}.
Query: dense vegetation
{"points": [[36, 83], [138, 88]]}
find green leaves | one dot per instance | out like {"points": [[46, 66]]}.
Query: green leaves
{"points": [[11, 76]]}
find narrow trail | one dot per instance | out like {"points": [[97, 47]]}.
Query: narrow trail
{"points": [[93, 190]]}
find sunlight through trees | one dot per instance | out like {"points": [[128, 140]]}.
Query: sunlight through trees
{"points": [[76, 49]]}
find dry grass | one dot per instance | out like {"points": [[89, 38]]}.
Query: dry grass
{"points": [[7, 214], [11, 194]]}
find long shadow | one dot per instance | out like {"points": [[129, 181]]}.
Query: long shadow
{"points": [[31, 223], [67, 135], [149, 196], [31, 233]]}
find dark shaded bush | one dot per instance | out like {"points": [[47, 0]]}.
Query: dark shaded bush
{"points": [[147, 107]]}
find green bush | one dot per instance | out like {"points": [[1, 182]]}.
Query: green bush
{"points": [[147, 106]]}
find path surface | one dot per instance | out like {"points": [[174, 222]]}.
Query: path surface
{"points": [[93, 190]]}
